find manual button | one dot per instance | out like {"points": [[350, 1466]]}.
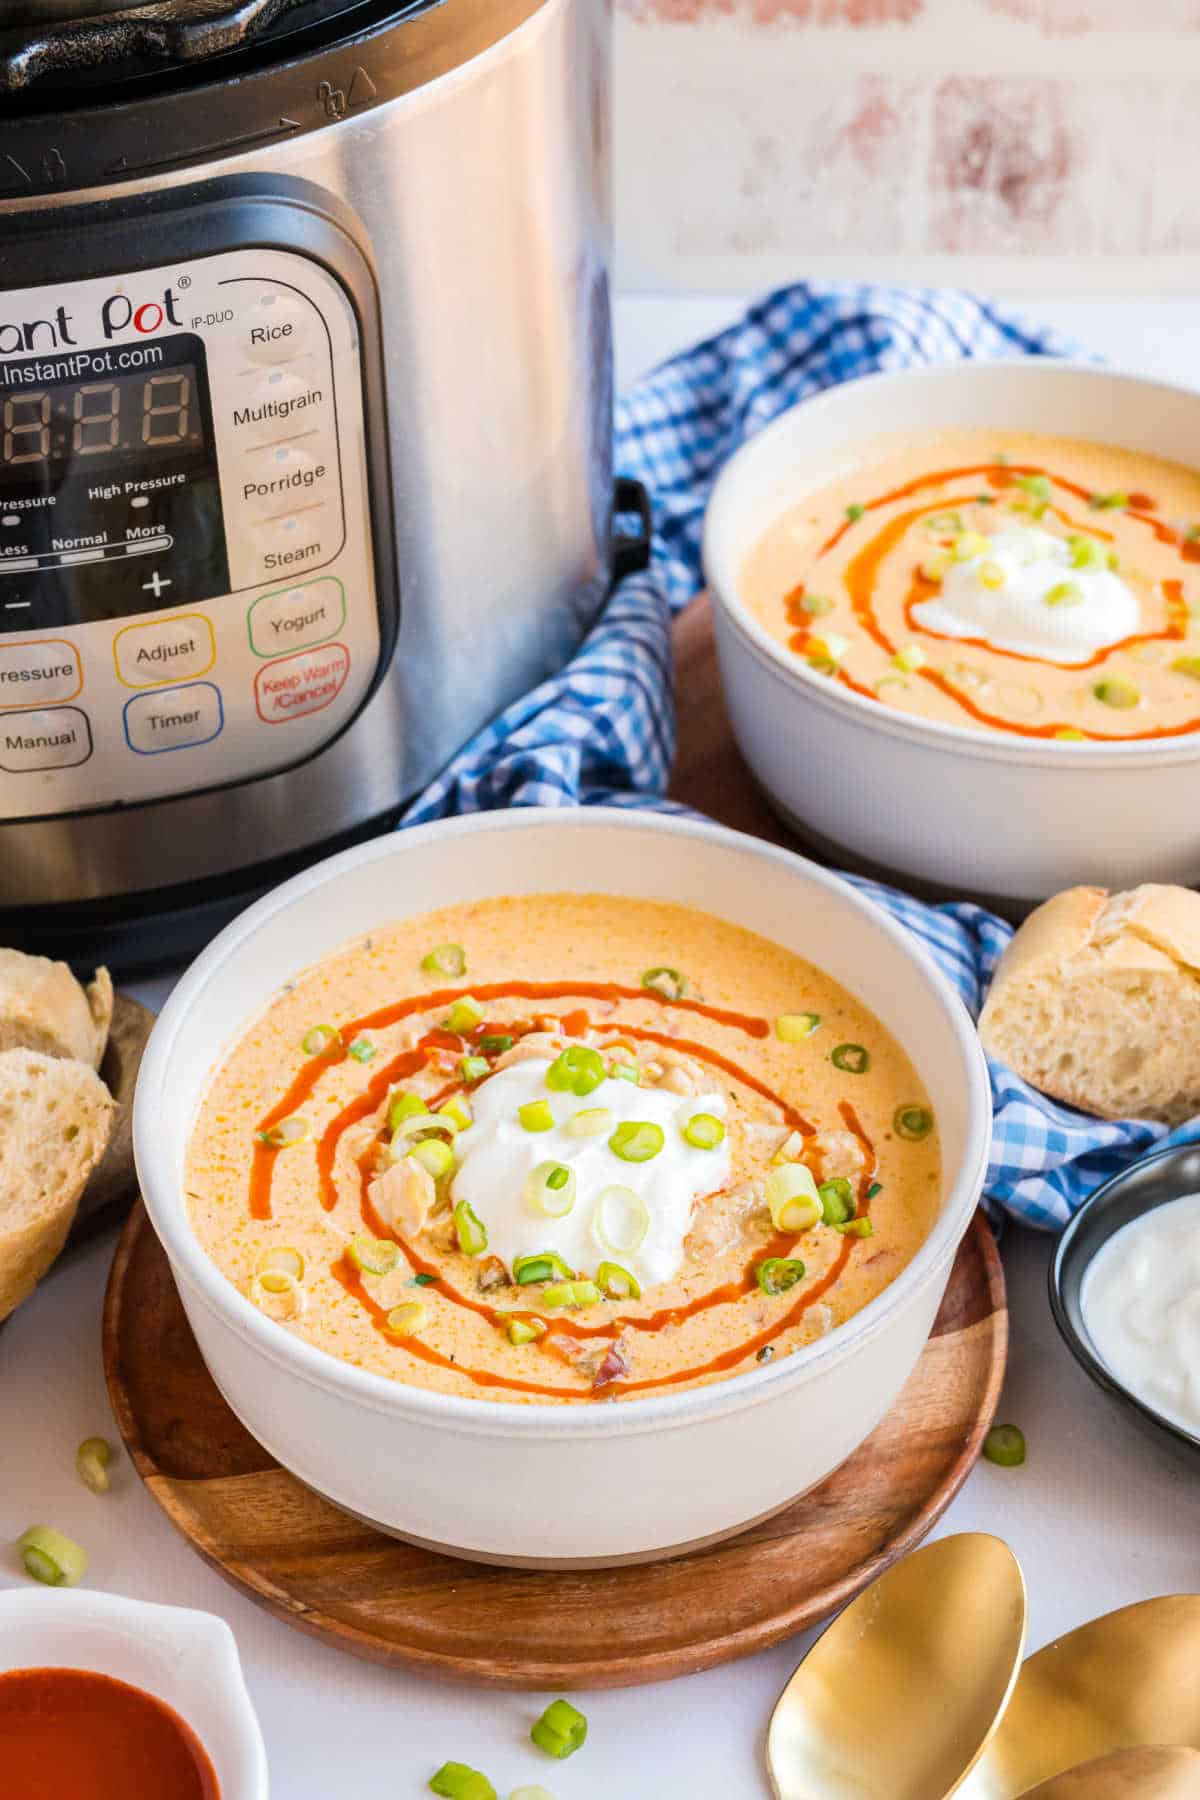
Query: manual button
{"points": [[40, 670], [295, 617], [174, 718], [57, 738], [165, 650]]}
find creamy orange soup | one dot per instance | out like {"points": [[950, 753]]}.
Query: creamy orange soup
{"points": [[1000, 581], [563, 1148]]}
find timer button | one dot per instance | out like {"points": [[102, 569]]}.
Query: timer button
{"points": [[298, 685], [59, 737], [43, 669], [278, 326], [174, 718], [297, 617], [164, 650], [293, 542]]}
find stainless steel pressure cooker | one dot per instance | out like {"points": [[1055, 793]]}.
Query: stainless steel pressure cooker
{"points": [[305, 427]]}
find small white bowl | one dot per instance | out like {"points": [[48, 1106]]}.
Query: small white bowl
{"points": [[187, 1659], [560, 1485], [944, 807]]}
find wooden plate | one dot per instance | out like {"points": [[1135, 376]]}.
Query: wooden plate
{"points": [[339, 1580]]}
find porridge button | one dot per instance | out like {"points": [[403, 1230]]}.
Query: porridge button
{"points": [[173, 718], [298, 685], [295, 617], [164, 650]]}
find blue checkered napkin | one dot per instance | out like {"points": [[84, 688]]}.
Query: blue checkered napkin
{"points": [[603, 731]]}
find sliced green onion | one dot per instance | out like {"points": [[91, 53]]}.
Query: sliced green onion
{"points": [[1067, 734], [1005, 1445], [51, 1557], [876, 1187], [495, 1046], [861, 1227], [837, 1200], [281, 1258], [550, 1189], [637, 1140], [852, 1059], [991, 574], [590, 1121], [464, 1015], [1086, 552], [277, 1281], [570, 1293], [457, 1111], [1065, 593], [616, 1283], [455, 1781], [816, 605], [933, 568], [625, 1072], [473, 1068], [362, 1050], [374, 1256], [535, 1115], [910, 659], [704, 1132], [854, 512], [1037, 485], [793, 1028], [540, 1267], [779, 1273], [792, 1196], [968, 545], [576, 1070], [621, 1220], [1117, 692], [944, 521], [1116, 502], [667, 982], [561, 1729], [434, 1155], [423, 1280], [91, 1463], [320, 1039], [531, 1793], [469, 1230], [913, 1122], [445, 959], [1187, 665], [830, 647], [525, 1331], [286, 1134], [408, 1319], [402, 1106], [891, 681], [284, 1295], [416, 1124]]}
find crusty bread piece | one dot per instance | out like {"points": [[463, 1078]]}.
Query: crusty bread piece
{"points": [[1097, 1002], [43, 1007], [55, 1117]]}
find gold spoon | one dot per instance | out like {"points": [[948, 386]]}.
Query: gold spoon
{"points": [[1162, 1772], [897, 1698], [1129, 1678]]}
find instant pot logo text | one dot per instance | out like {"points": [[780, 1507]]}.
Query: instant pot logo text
{"points": [[117, 314]]}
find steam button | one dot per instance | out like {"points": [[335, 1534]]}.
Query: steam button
{"points": [[293, 542]]}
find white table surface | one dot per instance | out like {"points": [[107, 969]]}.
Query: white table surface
{"points": [[1100, 1515]]}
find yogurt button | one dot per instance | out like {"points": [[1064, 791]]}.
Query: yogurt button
{"points": [[299, 685], [296, 617], [57, 738], [173, 718], [164, 650]]}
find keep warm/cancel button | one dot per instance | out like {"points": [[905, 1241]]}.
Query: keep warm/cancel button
{"points": [[297, 685]]}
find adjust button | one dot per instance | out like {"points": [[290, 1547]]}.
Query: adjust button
{"points": [[57, 738], [174, 718], [299, 685], [43, 669], [164, 650], [295, 617]]}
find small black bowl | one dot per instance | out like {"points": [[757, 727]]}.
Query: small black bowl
{"points": [[1163, 1175]]}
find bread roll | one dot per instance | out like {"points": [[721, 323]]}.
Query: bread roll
{"points": [[1097, 1002], [55, 1117], [43, 1007]]}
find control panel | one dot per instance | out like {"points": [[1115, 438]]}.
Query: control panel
{"points": [[187, 585]]}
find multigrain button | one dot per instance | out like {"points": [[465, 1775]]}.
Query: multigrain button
{"points": [[59, 737], [274, 403], [165, 650], [295, 617], [299, 685], [40, 670], [174, 718]]}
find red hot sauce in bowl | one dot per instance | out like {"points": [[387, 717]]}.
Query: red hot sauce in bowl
{"points": [[69, 1734]]}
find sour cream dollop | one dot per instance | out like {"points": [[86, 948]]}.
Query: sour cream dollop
{"points": [[497, 1155], [1141, 1306], [1018, 614]]}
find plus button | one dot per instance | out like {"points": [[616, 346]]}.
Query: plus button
{"points": [[155, 585]]}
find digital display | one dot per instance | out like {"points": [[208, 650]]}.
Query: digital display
{"points": [[78, 421]]}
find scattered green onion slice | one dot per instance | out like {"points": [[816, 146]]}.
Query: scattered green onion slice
{"points": [[535, 1115], [577, 1070], [944, 521], [625, 1072], [968, 545], [793, 1028], [876, 1187], [1086, 552], [278, 1284], [910, 659], [525, 1331], [531, 1793], [282, 1258], [816, 605], [417, 1123], [837, 1200], [913, 1122], [435, 1156], [860, 1227], [1037, 485], [473, 1068], [570, 1293], [703, 1131], [286, 1134], [1065, 593], [621, 1220], [1116, 502], [852, 1059], [469, 1230], [445, 959], [540, 1267], [616, 1283], [637, 1140], [1005, 1444], [1067, 734], [991, 575], [854, 512], [457, 1111], [561, 1729], [423, 1280], [362, 1050], [667, 982], [320, 1039], [407, 1320], [590, 1121], [51, 1557], [374, 1256], [464, 1015], [91, 1463], [1116, 691], [933, 568], [455, 1781], [403, 1106], [495, 1046], [779, 1273], [793, 1198], [550, 1189], [1187, 665]]}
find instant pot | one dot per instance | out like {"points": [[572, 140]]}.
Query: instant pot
{"points": [[305, 428]]}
